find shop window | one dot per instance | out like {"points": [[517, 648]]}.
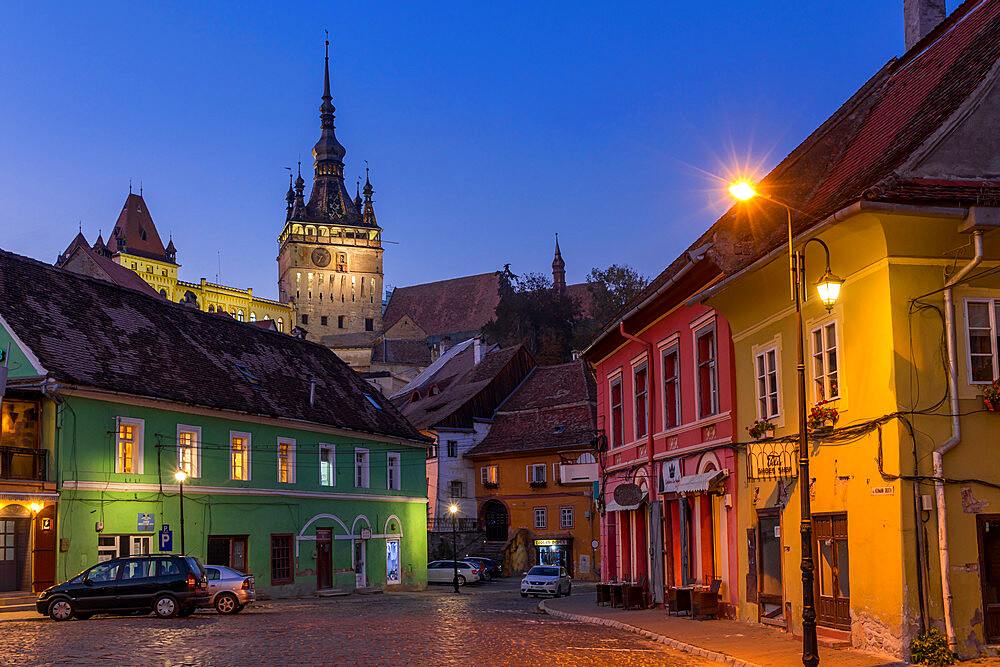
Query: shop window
{"points": [[281, 559], [239, 456], [116, 546], [327, 465], [541, 518], [128, 457], [617, 414], [286, 460], [826, 362], [641, 391], [361, 479], [19, 424], [566, 517], [708, 373], [671, 388], [981, 337], [228, 550], [189, 450], [456, 489], [767, 383], [393, 471]]}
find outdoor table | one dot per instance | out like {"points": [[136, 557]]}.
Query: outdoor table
{"points": [[632, 596], [679, 599], [603, 593], [617, 595]]}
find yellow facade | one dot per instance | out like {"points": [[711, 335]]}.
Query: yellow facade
{"points": [[890, 360], [241, 304]]}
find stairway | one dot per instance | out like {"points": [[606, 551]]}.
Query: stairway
{"points": [[494, 550], [17, 601]]}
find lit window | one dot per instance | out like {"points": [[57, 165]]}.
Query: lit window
{"points": [[327, 466], [239, 456], [490, 476], [981, 317], [281, 324], [541, 518], [641, 389], [239, 314], [708, 378], [189, 449], [617, 414], [253, 316], [128, 459], [393, 472], [361, 479], [565, 517], [671, 388], [286, 460], [826, 362], [767, 383]]}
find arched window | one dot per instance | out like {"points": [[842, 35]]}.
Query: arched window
{"points": [[266, 316], [163, 293], [296, 229], [281, 324], [239, 314], [323, 231], [253, 316], [310, 230], [211, 309], [586, 457]]}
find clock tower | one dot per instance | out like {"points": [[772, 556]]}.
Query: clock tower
{"points": [[330, 249]]}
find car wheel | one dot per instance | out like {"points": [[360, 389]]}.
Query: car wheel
{"points": [[165, 606], [461, 580], [226, 603], [60, 609]]}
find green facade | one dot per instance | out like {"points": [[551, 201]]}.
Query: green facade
{"points": [[246, 512]]}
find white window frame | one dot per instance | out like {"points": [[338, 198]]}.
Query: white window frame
{"points": [[484, 474], [713, 365], [543, 514], [362, 469], [291, 460], [642, 366], [397, 484], [616, 428], [533, 468], [675, 349], [991, 305], [139, 426], [323, 447], [563, 513], [821, 325], [451, 488], [762, 389], [556, 473], [195, 470], [246, 459], [451, 448]]}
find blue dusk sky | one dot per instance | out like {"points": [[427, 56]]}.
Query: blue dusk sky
{"points": [[488, 127]]}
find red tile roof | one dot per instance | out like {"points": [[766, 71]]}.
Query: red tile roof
{"points": [[136, 225], [111, 270]]}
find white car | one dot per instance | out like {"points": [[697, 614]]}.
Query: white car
{"points": [[546, 580], [443, 571]]}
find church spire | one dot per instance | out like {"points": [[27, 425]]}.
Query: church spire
{"points": [[558, 270], [328, 152]]}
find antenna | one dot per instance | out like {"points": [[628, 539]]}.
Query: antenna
{"points": [[130, 186], [218, 276]]}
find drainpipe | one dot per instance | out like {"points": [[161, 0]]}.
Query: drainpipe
{"points": [[956, 436]]}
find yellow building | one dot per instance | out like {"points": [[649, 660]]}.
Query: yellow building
{"points": [[135, 245]]}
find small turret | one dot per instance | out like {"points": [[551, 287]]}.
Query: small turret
{"points": [[171, 251], [368, 215], [289, 198], [357, 196]]}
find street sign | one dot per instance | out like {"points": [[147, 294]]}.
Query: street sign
{"points": [[166, 539], [146, 523]]}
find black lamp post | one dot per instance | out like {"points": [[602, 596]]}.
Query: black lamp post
{"points": [[181, 476], [829, 289], [453, 510]]}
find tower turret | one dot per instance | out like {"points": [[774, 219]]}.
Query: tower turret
{"points": [[558, 270]]}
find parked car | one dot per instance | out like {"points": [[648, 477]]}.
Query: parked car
{"points": [[166, 584], [492, 569], [231, 591], [442, 571], [546, 580]]}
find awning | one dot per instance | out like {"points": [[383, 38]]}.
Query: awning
{"points": [[615, 507], [703, 482]]}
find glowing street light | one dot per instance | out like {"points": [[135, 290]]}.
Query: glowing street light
{"points": [[181, 477], [453, 510], [35, 508], [742, 190]]}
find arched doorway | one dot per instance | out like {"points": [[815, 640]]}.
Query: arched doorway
{"points": [[497, 520]]}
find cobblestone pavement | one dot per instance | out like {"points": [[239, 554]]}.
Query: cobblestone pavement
{"points": [[488, 624]]}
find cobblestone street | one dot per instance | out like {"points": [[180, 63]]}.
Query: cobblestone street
{"points": [[487, 625]]}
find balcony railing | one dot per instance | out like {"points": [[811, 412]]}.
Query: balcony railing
{"points": [[445, 524], [22, 463]]}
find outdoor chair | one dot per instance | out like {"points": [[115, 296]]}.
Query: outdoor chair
{"points": [[706, 602], [678, 600], [635, 595], [603, 593]]}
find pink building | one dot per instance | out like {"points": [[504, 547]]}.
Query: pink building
{"points": [[666, 408]]}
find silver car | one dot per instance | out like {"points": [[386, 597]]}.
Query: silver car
{"points": [[443, 572], [546, 580], [230, 590]]}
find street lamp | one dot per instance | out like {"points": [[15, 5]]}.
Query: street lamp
{"points": [[453, 510], [828, 288], [181, 476]]}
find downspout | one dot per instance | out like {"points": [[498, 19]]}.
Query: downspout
{"points": [[956, 436]]}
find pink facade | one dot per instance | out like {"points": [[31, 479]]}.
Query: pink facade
{"points": [[666, 407]]}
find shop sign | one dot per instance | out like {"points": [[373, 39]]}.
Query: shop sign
{"points": [[551, 543], [146, 523], [882, 490], [670, 475], [628, 494], [366, 533], [772, 460]]}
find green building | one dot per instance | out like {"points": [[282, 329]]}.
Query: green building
{"points": [[296, 469]]}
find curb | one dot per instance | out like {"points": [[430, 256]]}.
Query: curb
{"points": [[663, 639]]}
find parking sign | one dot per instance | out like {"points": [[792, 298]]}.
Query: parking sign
{"points": [[166, 539]]}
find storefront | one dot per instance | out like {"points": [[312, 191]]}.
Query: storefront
{"points": [[555, 551]]}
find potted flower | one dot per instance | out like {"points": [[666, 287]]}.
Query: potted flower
{"points": [[822, 417], [991, 396], [761, 429]]}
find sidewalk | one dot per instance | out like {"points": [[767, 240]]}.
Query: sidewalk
{"points": [[730, 642]]}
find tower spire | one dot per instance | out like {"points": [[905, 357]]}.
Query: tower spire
{"points": [[368, 213], [558, 270]]}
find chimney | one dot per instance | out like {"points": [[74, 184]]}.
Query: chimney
{"points": [[920, 17], [477, 350]]}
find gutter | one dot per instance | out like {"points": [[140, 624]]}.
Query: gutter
{"points": [[956, 437]]}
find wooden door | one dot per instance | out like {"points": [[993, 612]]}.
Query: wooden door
{"points": [[770, 588], [324, 560], [43, 552], [496, 518], [238, 558], [8, 555], [989, 574], [832, 571]]}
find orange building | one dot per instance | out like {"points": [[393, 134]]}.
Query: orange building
{"points": [[535, 471]]}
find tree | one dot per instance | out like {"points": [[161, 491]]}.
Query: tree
{"points": [[532, 313], [611, 288]]}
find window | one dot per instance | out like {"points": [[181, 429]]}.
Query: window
{"points": [[490, 476], [981, 318], [617, 414], [281, 559], [139, 568], [322, 318], [20, 426], [286, 460], [641, 413], [228, 550], [239, 314], [393, 469], [128, 457], [304, 319], [342, 262], [536, 473], [708, 378], [253, 316], [239, 456], [456, 489], [369, 323], [565, 517], [453, 448], [327, 466], [541, 518], [354, 282], [826, 362], [189, 450], [281, 324], [671, 388], [361, 469], [767, 383], [340, 321], [586, 457]]}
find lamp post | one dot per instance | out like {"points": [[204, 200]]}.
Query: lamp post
{"points": [[828, 288], [181, 476], [453, 510]]}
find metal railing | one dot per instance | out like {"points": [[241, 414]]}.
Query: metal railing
{"points": [[445, 524], [23, 463]]}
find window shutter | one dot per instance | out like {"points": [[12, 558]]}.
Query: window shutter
{"points": [[529, 474]]}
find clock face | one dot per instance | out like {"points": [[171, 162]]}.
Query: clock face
{"points": [[321, 256]]}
